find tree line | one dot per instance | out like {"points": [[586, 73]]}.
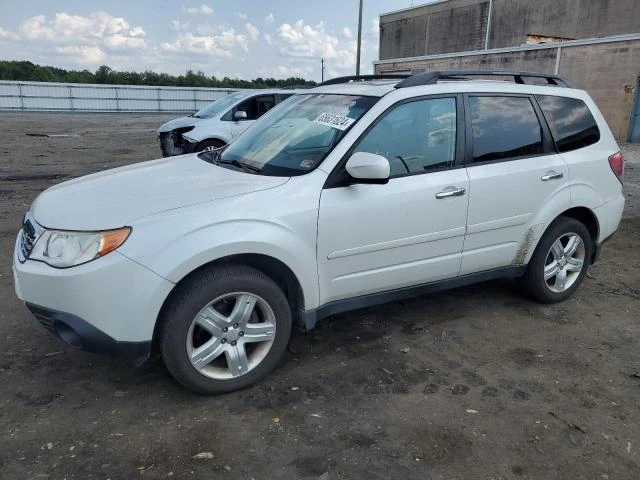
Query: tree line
{"points": [[27, 71]]}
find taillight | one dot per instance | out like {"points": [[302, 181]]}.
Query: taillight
{"points": [[616, 161]]}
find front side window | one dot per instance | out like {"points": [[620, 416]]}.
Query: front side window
{"points": [[571, 122], [220, 105], [415, 137], [504, 128], [298, 134], [254, 108]]}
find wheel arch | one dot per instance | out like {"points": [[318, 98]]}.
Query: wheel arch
{"points": [[584, 215], [588, 218], [272, 267], [211, 139]]}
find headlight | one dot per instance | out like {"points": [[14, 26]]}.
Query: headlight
{"points": [[62, 249]]}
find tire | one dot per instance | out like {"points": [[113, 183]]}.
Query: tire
{"points": [[209, 144], [547, 259], [216, 315]]}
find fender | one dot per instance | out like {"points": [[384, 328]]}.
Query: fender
{"points": [[209, 130], [192, 249], [250, 237], [558, 202]]}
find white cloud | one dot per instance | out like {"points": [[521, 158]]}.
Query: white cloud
{"points": [[85, 39], [375, 26], [282, 71], [203, 9], [178, 26], [253, 31], [269, 19], [8, 35], [346, 31], [124, 43], [304, 41], [83, 54], [243, 16], [221, 45]]}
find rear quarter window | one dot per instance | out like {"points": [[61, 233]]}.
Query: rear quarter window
{"points": [[571, 122]]}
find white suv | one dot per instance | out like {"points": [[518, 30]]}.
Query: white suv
{"points": [[351, 194], [219, 123]]}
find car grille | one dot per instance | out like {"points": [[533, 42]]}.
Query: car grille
{"points": [[28, 237]]}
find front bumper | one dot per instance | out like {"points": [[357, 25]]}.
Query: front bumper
{"points": [[109, 305], [81, 334], [173, 143]]}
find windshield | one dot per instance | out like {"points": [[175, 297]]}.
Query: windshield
{"points": [[296, 136], [220, 105]]}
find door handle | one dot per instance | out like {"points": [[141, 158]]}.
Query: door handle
{"points": [[451, 193], [551, 176]]}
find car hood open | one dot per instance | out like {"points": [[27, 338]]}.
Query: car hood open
{"points": [[114, 198]]}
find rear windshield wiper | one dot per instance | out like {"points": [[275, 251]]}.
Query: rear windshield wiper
{"points": [[237, 163]]}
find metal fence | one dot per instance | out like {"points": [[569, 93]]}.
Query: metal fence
{"points": [[45, 96]]}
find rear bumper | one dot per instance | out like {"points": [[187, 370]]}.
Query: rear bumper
{"points": [[609, 215], [81, 334], [597, 249]]}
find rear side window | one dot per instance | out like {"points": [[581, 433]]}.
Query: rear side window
{"points": [[570, 121], [504, 128]]}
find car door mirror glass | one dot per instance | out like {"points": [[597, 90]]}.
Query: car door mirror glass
{"points": [[240, 115], [365, 167]]}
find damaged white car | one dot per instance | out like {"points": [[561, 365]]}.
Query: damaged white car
{"points": [[218, 123]]}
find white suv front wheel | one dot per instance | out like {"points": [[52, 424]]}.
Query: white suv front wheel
{"points": [[559, 263], [224, 329]]}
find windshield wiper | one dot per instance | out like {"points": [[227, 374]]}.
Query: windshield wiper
{"points": [[237, 163]]}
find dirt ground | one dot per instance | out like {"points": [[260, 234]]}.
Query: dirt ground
{"points": [[475, 383]]}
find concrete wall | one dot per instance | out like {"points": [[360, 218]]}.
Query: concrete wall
{"points": [[452, 26], [608, 71], [461, 25], [513, 20]]}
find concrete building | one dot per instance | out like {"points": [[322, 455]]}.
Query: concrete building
{"points": [[595, 44]]}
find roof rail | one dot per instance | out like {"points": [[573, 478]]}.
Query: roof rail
{"points": [[360, 78], [431, 78]]}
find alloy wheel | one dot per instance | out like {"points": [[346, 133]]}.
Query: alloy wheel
{"points": [[231, 335], [564, 262]]}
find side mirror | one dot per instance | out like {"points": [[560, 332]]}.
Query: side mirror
{"points": [[364, 167], [240, 115]]}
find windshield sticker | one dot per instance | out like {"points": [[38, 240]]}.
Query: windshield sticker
{"points": [[307, 164], [334, 121]]}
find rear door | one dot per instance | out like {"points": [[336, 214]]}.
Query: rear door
{"points": [[517, 180]]}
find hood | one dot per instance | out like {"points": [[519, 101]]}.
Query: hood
{"points": [[114, 198], [178, 123]]}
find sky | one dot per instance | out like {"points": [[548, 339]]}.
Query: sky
{"points": [[235, 38]]}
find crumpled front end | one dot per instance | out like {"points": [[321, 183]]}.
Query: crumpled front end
{"points": [[173, 143]]}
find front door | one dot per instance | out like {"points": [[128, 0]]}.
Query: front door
{"points": [[514, 173], [410, 231]]}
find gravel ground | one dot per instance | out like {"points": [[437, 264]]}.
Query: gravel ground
{"points": [[474, 383]]}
